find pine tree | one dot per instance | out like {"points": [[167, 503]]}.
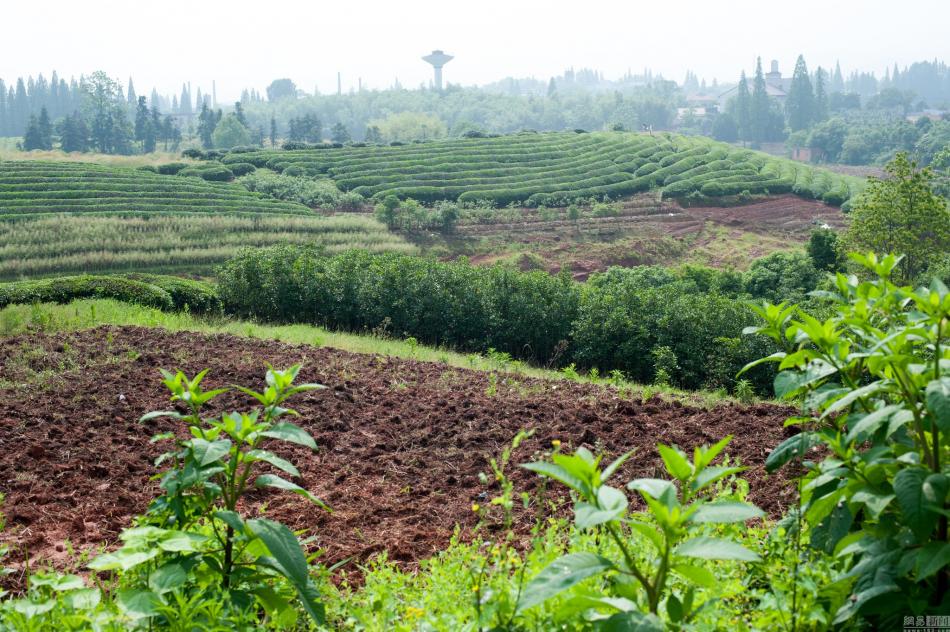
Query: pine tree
{"points": [[75, 134], [821, 97], [184, 103], [45, 129], [130, 93], [552, 89], [273, 131], [837, 81], [759, 106], [239, 113], [340, 134], [31, 138], [206, 124], [743, 107], [141, 119], [153, 130], [800, 105]]}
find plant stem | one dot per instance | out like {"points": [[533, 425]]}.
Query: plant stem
{"points": [[612, 530], [228, 562]]}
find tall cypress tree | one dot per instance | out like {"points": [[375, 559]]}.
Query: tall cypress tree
{"points": [[821, 97], [45, 129], [800, 105], [743, 105], [273, 131], [130, 93], [759, 106], [141, 119], [31, 137], [837, 80]]}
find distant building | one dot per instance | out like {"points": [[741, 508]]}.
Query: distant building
{"points": [[933, 115], [776, 86]]}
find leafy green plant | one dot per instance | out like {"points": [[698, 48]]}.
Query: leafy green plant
{"points": [[873, 381], [193, 536], [675, 526]]}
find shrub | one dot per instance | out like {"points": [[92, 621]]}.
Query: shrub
{"points": [[212, 173], [195, 296], [241, 168], [195, 154], [67, 289], [874, 381], [171, 168]]}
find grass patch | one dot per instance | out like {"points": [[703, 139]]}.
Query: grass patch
{"points": [[84, 314]]}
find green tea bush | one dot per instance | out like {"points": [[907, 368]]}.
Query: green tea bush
{"points": [[195, 296], [67, 289]]}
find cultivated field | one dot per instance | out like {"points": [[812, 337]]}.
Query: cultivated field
{"points": [[68, 217], [552, 168], [401, 442]]}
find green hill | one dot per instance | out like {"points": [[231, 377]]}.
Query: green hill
{"points": [[555, 168], [71, 217]]}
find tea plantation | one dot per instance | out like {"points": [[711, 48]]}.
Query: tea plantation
{"points": [[554, 168], [68, 217]]}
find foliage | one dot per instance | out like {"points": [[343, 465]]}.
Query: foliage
{"points": [[66, 289], [321, 194], [71, 217], [409, 126], [230, 132], [675, 526], [873, 381], [782, 276], [551, 169], [611, 322], [194, 296], [823, 251], [901, 214]]}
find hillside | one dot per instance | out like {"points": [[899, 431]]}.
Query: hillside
{"points": [[554, 168], [65, 217]]}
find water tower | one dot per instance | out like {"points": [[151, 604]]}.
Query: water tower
{"points": [[438, 59]]}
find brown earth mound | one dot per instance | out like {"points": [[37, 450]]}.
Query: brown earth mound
{"points": [[401, 442]]}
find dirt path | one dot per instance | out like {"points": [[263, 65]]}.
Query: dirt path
{"points": [[401, 442]]}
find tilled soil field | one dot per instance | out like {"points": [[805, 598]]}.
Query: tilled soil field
{"points": [[401, 442]]}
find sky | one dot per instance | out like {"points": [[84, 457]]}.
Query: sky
{"points": [[240, 43]]}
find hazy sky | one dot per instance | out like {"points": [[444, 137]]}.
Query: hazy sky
{"points": [[243, 43]]}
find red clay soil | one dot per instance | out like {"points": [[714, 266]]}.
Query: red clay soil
{"points": [[401, 442]]}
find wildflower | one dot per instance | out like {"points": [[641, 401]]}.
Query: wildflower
{"points": [[475, 507], [414, 613], [556, 443], [474, 587]]}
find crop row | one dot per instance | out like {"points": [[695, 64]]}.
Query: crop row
{"points": [[554, 168]]}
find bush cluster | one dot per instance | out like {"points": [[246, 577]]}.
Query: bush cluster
{"points": [[613, 322], [66, 289]]}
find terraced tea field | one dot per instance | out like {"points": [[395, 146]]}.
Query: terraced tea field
{"points": [[555, 168], [66, 217]]}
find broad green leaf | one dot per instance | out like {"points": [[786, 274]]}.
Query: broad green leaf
{"points": [[138, 604], [270, 480], [726, 511], [789, 449], [287, 431], [31, 609], [156, 414], [869, 424], [874, 502], [655, 487], [611, 505], [562, 574], [853, 396], [558, 473], [648, 531], [696, 574], [632, 621], [232, 519], [289, 560], [932, 558], [181, 541], [278, 609], [83, 599], [715, 549], [123, 559], [909, 491], [166, 578], [712, 474], [58, 583], [276, 461], [676, 463], [938, 402], [826, 535], [208, 452], [704, 456]]}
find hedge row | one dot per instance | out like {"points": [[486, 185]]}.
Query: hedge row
{"points": [[151, 290], [612, 322]]}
